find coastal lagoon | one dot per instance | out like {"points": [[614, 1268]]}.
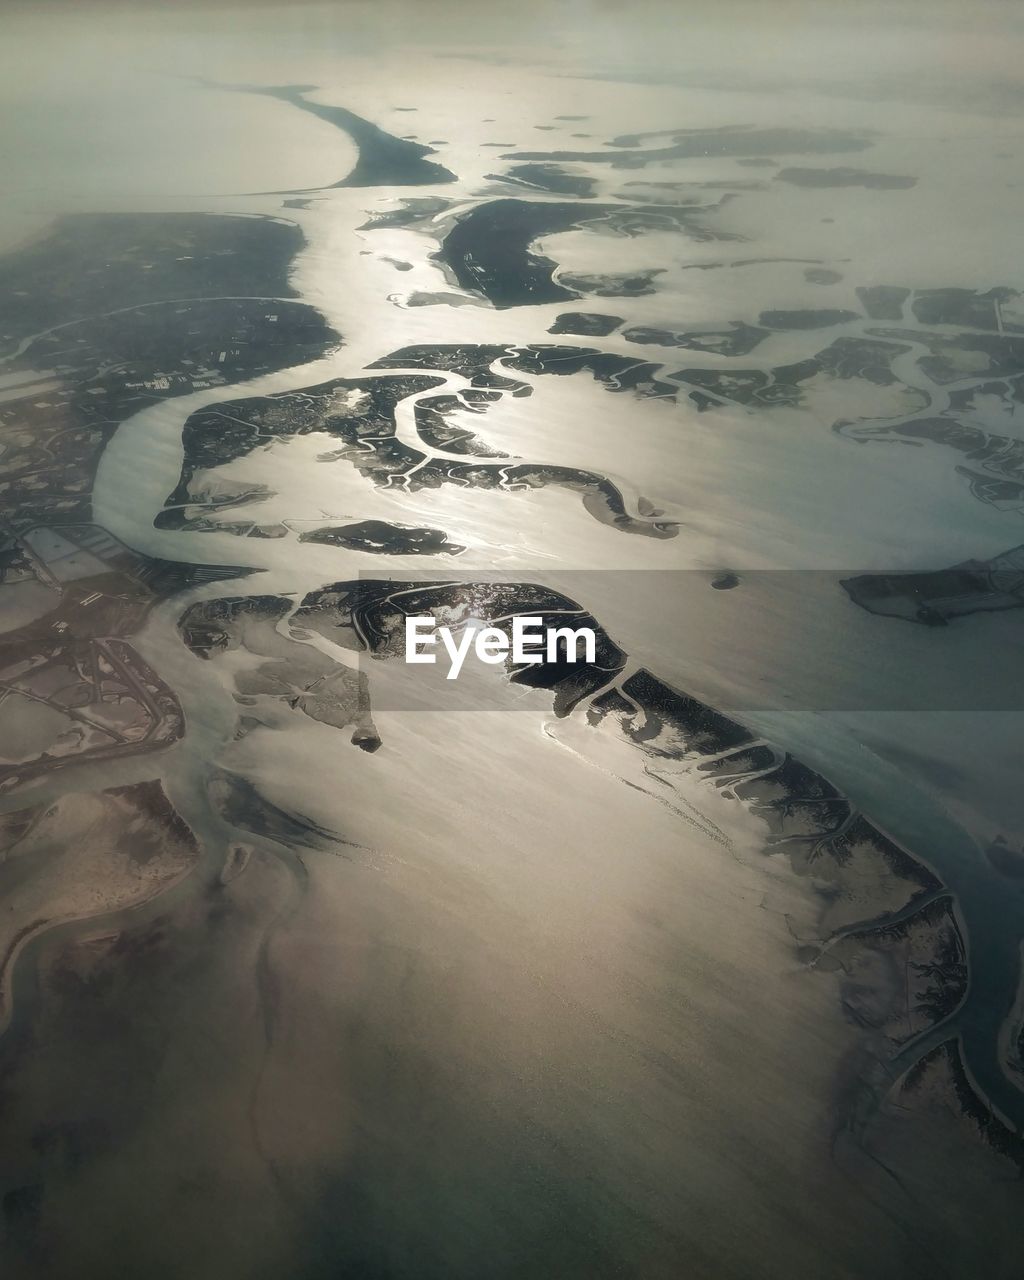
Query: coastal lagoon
{"points": [[700, 958]]}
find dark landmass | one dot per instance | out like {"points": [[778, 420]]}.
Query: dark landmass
{"points": [[93, 264], [435, 426], [359, 414], [964, 373], [120, 364], [996, 473], [711, 388], [950, 1055], [845, 358], [586, 324], [883, 301], [725, 582], [822, 275], [82, 700], [76, 682], [844, 177], [218, 434], [615, 372], [926, 950], [160, 306], [488, 252], [996, 470], [850, 357], [933, 598], [737, 340], [105, 316], [70, 684], [688, 144], [421, 299], [965, 356], [614, 285], [385, 539], [968, 307], [547, 177], [881, 899], [384, 160]]}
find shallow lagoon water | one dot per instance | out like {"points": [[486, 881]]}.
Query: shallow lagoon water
{"points": [[520, 1018]]}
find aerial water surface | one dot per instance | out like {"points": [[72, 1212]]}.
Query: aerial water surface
{"points": [[700, 958]]}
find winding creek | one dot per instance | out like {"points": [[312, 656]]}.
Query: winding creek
{"points": [[989, 908], [142, 464]]}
